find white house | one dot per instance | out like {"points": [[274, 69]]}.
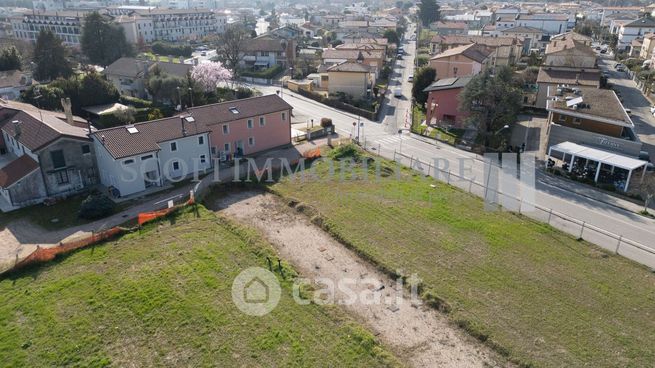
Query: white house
{"points": [[135, 157], [632, 30], [548, 22]]}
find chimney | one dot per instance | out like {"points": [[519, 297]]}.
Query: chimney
{"points": [[17, 128], [102, 139], [66, 104]]}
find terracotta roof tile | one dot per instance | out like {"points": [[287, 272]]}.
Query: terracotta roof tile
{"points": [[16, 170]]}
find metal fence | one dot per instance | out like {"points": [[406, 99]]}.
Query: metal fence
{"points": [[616, 243]]}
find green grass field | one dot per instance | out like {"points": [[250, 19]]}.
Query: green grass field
{"points": [[534, 293], [162, 297]]}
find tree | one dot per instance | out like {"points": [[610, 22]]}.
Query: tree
{"points": [[422, 79], [392, 36], [164, 87], [647, 189], [10, 59], [209, 75], [102, 41], [95, 90], [44, 97], [428, 12], [230, 46], [493, 100], [50, 57]]}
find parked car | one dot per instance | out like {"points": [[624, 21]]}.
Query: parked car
{"points": [[603, 51], [398, 92], [628, 111], [618, 66], [410, 78], [652, 109]]}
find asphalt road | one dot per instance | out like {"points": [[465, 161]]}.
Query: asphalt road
{"points": [[634, 100]]}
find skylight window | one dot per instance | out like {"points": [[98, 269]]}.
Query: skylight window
{"points": [[234, 110], [132, 129]]}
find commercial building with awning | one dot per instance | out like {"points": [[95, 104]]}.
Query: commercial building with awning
{"points": [[609, 159]]}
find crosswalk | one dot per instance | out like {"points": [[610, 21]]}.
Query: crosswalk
{"points": [[388, 140]]}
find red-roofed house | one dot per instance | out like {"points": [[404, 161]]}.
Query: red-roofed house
{"points": [[460, 61], [133, 158], [45, 154]]}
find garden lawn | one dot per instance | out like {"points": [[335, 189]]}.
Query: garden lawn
{"points": [[162, 297], [532, 292]]}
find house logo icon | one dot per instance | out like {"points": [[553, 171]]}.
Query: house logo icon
{"points": [[256, 291]]}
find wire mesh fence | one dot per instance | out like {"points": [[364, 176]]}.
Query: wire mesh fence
{"points": [[616, 243]]}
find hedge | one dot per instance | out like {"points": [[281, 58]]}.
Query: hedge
{"points": [[162, 48], [269, 73], [134, 101]]}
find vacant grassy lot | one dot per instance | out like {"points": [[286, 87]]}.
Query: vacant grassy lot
{"points": [[533, 292], [163, 298]]}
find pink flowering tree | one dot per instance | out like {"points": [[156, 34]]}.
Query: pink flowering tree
{"points": [[209, 75]]}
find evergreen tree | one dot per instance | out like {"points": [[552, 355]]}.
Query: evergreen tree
{"points": [[10, 59], [428, 12], [50, 57], [102, 41]]}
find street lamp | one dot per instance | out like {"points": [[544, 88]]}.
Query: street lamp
{"points": [[400, 136], [191, 95], [501, 129]]}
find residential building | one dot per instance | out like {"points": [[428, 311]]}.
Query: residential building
{"points": [[633, 30], [552, 77], [133, 158], [647, 46], [246, 126], [533, 38], [129, 75], [504, 50], [612, 12], [575, 36], [591, 117], [67, 25], [635, 47], [352, 78], [449, 28], [151, 24], [45, 154], [266, 51], [460, 61], [505, 22], [370, 57], [442, 106], [12, 83], [570, 53], [548, 22]]}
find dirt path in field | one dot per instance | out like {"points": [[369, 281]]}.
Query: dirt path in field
{"points": [[421, 336]]}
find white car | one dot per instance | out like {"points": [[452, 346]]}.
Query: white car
{"points": [[652, 109], [398, 92], [410, 78]]}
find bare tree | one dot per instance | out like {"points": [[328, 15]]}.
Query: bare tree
{"points": [[647, 189], [230, 46]]}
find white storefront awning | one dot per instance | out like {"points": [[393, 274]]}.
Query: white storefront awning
{"points": [[598, 155]]}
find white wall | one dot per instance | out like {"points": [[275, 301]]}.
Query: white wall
{"points": [[187, 155]]}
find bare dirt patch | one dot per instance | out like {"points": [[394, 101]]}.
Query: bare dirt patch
{"points": [[419, 334]]}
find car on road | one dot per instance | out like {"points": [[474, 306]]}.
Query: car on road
{"points": [[203, 53], [628, 111], [398, 92], [603, 51], [652, 109], [410, 78]]}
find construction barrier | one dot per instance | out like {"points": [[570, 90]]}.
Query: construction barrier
{"points": [[42, 255]]}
